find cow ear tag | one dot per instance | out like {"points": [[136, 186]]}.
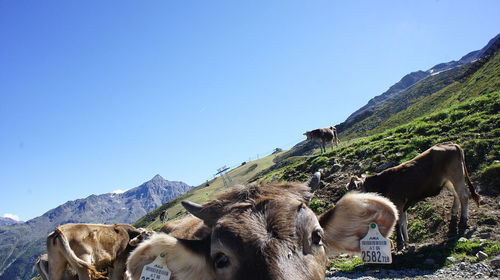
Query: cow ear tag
{"points": [[157, 270], [375, 248]]}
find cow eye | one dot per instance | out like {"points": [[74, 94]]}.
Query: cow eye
{"points": [[221, 261], [316, 237]]}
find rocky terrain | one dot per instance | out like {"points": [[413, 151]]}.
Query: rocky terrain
{"points": [[4, 221]]}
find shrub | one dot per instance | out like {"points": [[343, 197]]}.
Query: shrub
{"points": [[437, 117], [491, 172], [317, 205], [319, 162], [417, 231], [477, 150], [488, 220]]}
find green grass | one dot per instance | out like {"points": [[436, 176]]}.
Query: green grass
{"points": [[346, 264], [430, 95], [472, 246]]}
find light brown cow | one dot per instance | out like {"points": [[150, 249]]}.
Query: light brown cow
{"points": [[263, 231], [443, 165], [91, 249], [323, 136]]}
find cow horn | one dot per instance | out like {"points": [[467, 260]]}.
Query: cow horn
{"points": [[314, 181], [200, 212]]}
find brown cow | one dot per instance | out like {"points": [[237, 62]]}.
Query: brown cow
{"points": [[323, 136], [443, 165], [163, 216], [91, 249], [263, 231]]}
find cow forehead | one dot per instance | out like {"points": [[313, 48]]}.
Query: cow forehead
{"points": [[255, 194], [257, 225]]}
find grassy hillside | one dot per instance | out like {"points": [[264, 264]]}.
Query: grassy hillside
{"points": [[434, 93], [202, 193], [473, 124]]}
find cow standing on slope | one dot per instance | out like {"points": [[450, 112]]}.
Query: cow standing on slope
{"points": [[323, 136], [443, 165], [163, 216], [90, 250], [262, 231]]}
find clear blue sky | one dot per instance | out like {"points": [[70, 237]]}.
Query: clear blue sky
{"points": [[102, 95]]}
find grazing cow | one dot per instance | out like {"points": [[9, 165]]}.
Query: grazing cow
{"points": [[163, 216], [262, 231], [323, 136], [443, 165], [91, 248], [42, 267]]}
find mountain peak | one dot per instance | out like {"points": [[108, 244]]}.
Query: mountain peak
{"points": [[157, 177], [6, 221]]}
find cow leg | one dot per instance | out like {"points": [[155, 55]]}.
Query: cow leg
{"points": [[399, 236], [456, 199], [464, 202], [56, 268], [401, 230], [404, 222], [460, 196], [118, 269], [83, 273]]}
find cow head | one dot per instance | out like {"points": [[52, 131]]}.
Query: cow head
{"points": [[267, 231], [308, 135], [355, 183]]}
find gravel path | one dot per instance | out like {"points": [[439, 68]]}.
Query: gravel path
{"points": [[480, 270]]}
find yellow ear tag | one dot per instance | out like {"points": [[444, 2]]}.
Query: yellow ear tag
{"points": [[157, 270], [375, 248]]}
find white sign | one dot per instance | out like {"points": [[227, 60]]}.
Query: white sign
{"points": [[157, 270], [375, 248]]}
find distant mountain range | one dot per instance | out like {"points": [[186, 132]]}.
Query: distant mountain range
{"points": [[20, 244], [4, 221]]}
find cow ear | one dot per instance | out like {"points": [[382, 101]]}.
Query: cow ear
{"points": [[143, 235], [207, 214], [348, 222], [354, 183], [183, 258]]}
